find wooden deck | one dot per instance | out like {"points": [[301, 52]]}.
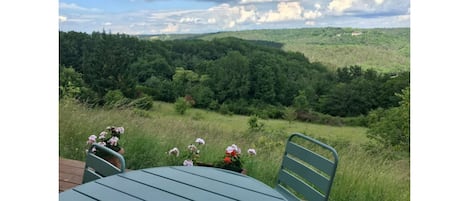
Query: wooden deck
{"points": [[70, 173]]}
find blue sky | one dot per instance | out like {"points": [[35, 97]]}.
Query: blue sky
{"points": [[206, 16]]}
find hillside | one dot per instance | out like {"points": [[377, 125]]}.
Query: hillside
{"points": [[385, 50]]}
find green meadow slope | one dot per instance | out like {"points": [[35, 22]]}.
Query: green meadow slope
{"points": [[150, 134], [384, 49]]}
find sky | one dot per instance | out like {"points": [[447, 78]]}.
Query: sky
{"points": [[208, 16]]}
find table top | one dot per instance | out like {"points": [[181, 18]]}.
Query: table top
{"points": [[174, 183]]}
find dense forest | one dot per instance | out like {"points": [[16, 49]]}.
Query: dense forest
{"points": [[229, 75]]}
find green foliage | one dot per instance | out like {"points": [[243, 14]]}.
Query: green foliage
{"points": [[360, 176], [114, 98], [255, 124], [386, 50], [300, 102], [289, 114], [144, 103], [231, 75], [181, 105], [70, 82], [391, 127]]}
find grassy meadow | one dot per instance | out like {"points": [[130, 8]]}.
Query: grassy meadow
{"points": [[385, 50], [150, 134]]}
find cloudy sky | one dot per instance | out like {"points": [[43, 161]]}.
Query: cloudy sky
{"points": [[205, 16]]}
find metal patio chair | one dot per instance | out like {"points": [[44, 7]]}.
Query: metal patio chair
{"points": [[305, 174]]}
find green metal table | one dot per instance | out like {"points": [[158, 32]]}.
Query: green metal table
{"points": [[174, 183]]}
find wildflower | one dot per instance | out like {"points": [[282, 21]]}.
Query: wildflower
{"points": [[252, 152], [192, 148], [200, 141], [113, 141], [120, 130], [227, 160], [102, 135], [188, 162], [91, 139], [174, 151], [233, 150]]}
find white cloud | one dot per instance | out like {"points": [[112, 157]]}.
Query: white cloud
{"points": [[312, 14], [62, 18], [379, 2], [170, 28], [403, 17], [254, 1], [317, 5], [246, 15], [107, 24], [191, 20], [285, 11], [338, 6], [310, 23], [73, 6], [212, 20]]}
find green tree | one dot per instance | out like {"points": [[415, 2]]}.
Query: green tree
{"points": [[391, 127], [300, 102], [70, 82], [181, 105]]}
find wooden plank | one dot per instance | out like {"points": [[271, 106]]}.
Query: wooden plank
{"points": [[70, 173]]}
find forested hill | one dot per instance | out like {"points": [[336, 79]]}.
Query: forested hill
{"points": [[383, 49], [224, 74]]}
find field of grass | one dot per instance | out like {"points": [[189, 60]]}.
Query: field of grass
{"points": [[385, 50], [150, 134]]}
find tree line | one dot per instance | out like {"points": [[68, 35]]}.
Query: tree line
{"points": [[228, 75]]}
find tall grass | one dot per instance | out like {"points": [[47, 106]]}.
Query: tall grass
{"points": [[150, 134]]}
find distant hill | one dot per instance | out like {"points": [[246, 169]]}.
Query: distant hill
{"points": [[384, 49]]}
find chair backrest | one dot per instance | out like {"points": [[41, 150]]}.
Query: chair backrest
{"points": [[304, 173], [97, 167]]}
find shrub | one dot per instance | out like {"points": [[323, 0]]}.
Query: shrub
{"points": [[391, 127], [112, 97], [144, 103], [181, 105], [254, 124]]}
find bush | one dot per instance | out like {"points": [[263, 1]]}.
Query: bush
{"points": [[181, 105], [113, 97], [144, 103], [254, 124], [391, 127]]}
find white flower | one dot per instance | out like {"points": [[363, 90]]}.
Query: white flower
{"points": [[174, 151], [192, 148], [188, 163], [200, 141], [113, 141], [252, 151], [120, 130], [102, 143], [232, 148], [102, 135], [91, 139]]}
